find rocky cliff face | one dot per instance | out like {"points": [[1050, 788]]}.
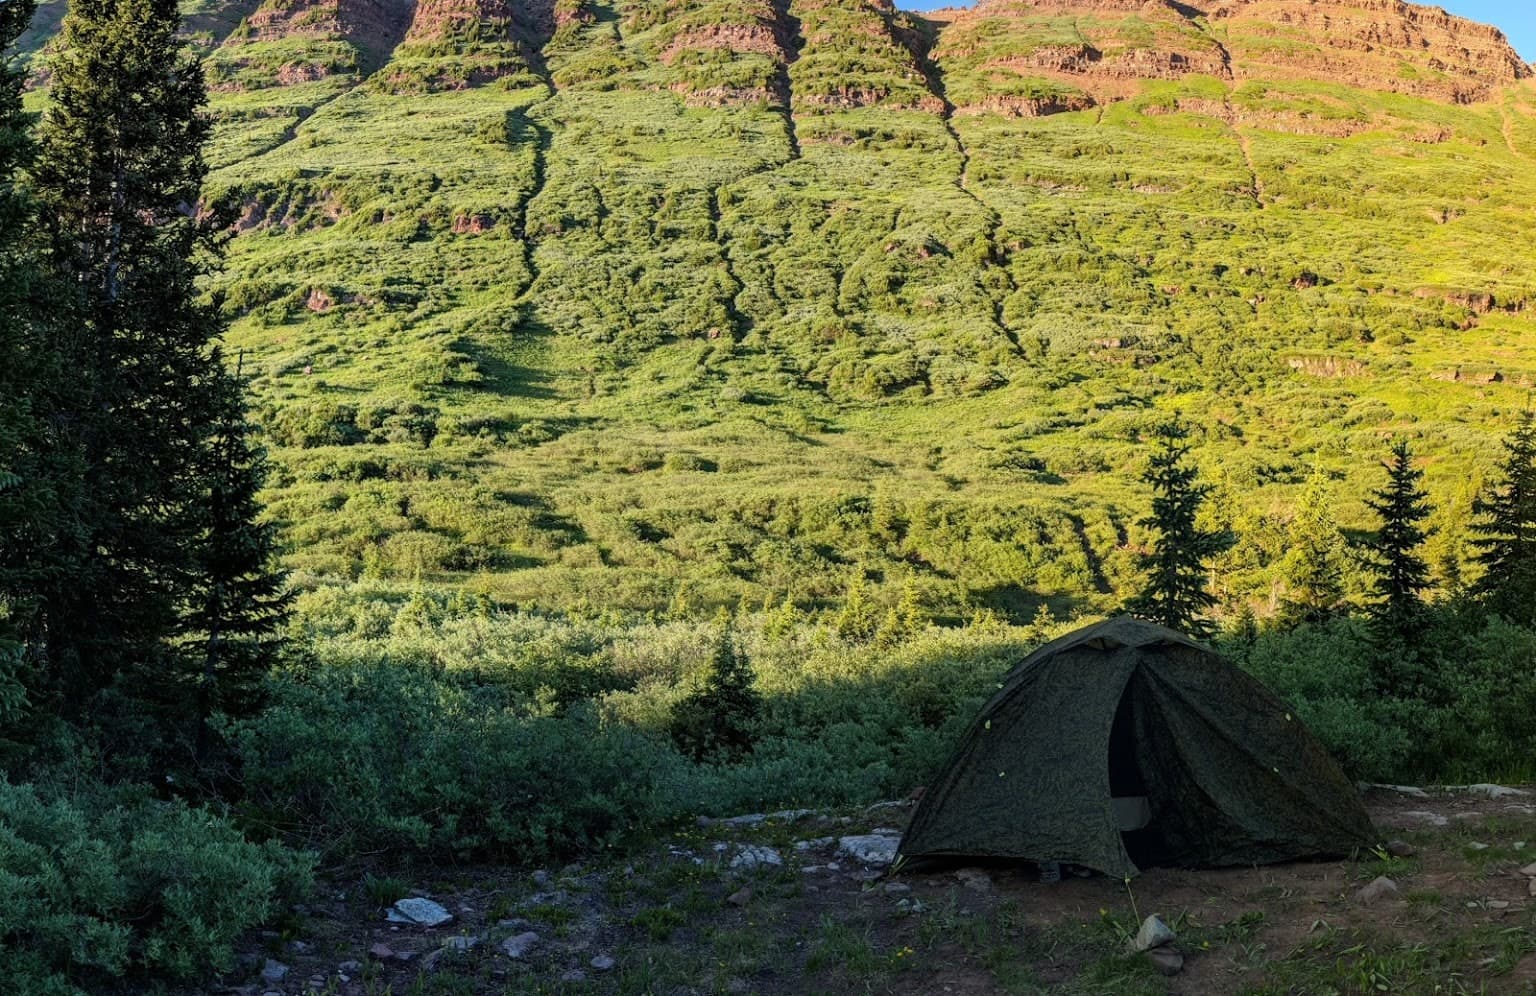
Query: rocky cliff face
{"points": [[1031, 57]]}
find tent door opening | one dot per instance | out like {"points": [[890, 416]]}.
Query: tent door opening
{"points": [[1128, 790]]}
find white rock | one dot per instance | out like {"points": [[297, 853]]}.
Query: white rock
{"points": [[752, 856], [1495, 791], [602, 963], [1154, 933], [871, 849], [424, 912], [791, 815], [1529, 870], [518, 945], [1413, 791], [574, 975], [1434, 819], [1379, 888], [814, 844], [1476, 846]]}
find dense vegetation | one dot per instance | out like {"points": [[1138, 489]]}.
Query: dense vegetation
{"points": [[664, 422]]}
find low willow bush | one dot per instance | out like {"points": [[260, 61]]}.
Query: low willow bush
{"points": [[1459, 710], [102, 885]]}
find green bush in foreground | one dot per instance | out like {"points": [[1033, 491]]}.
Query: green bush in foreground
{"points": [[103, 885]]}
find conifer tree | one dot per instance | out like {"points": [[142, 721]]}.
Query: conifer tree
{"points": [[26, 504], [155, 420], [1177, 592], [1506, 535], [1400, 573], [1314, 564], [715, 722]]}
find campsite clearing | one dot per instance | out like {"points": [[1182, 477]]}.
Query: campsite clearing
{"points": [[678, 918]]}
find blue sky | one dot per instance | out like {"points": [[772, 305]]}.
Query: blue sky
{"points": [[1516, 17]]}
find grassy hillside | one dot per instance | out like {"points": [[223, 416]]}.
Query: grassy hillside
{"points": [[654, 303]]}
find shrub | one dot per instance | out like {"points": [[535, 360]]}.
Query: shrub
{"points": [[716, 721], [102, 884], [380, 754]]}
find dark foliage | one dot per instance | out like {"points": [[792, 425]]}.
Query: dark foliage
{"points": [[1505, 536], [1399, 572], [715, 722], [1177, 593]]}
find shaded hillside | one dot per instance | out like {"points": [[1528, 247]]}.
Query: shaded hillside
{"points": [[682, 301]]}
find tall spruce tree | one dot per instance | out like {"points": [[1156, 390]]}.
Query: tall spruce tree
{"points": [[1177, 593], [24, 491], [1393, 557], [1505, 535], [157, 421]]}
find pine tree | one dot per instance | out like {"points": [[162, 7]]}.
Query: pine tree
{"points": [[715, 722], [1313, 567], [1177, 593], [1400, 573], [1506, 535], [154, 418]]}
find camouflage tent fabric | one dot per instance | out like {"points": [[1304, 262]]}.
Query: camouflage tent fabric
{"points": [[1126, 708]]}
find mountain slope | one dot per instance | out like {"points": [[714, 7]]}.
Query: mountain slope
{"points": [[657, 301]]}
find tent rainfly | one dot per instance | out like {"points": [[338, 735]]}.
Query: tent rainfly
{"points": [[1125, 745]]}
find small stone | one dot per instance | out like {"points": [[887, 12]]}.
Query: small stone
{"points": [[974, 879], [1154, 933], [897, 888], [878, 850], [1529, 871], [300, 947], [381, 952], [542, 878], [1498, 904], [1378, 889], [740, 897], [1476, 846], [461, 943], [814, 844], [752, 856], [350, 967], [1532, 887], [1166, 961], [1433, 819], [574, 975], [273, 972], [1400, 849], [602, 963], [517, 946], [420, 911]]}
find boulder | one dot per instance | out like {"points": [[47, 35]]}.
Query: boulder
{"points": [[751, 856], [517, 946], [1154, 933], [422, 912], [877, 850], [1166, 960], [1378, 889]]}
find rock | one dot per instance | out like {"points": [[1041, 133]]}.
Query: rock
{"points": [[300, 947], [273, 972], [791, 815], [574, 975], [751, 856], [1154, 933], [381, 952], [974, 879], [602, 963], [740, 897], [1529, 870], [423, 912], [1378, 889], [1412, 791], [1495, 791], [461, 943], [896, 888], [1477, 846], [1434, 819], [740, 822], [1400, 849], [1532, 887], [1498, 904], [866, 875], [542, 878], [517, 946], [1166, 960], [871, 849], [815, 844], [350, 967], [738, 986]]}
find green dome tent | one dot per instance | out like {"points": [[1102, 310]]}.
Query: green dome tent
{"points": [[1127, 745]]}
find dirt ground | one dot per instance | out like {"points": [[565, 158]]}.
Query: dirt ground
{"points": [[776, 906]]}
